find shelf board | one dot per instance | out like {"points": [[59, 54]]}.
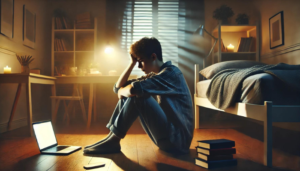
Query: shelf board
{"points": [[70, 30], [239, 52], [84, 30], [85, 51], [64, 30], [64, 51], [235, 28]]}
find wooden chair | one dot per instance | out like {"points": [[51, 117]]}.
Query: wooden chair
{"points": [[75, 96]]}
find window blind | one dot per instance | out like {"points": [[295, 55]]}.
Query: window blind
{"points": [[153, 18]]}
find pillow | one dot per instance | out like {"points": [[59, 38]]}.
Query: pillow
{"points": [[212, 70]]}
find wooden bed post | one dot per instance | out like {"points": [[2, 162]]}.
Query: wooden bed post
{"points": [[196, 80], [268, 134]]}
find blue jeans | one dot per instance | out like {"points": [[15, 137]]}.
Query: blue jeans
{"points": [[152, 118]]}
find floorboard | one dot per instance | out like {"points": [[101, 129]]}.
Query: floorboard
{"points": [[139, 153]]}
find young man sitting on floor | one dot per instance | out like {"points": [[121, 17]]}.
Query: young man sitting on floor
{"points": [[161, 99]]}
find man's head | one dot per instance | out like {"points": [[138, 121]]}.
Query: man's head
{"points": [[148, 53]]}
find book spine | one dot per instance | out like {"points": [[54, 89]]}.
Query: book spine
{"points": [[222, 145], [215, 157], [216, 151], [60, 24], [223, 151], [63, 43], [242, 45], [250, 44], [60, 45], [65, 23]]}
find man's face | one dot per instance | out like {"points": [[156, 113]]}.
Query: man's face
{"points": [[145, 64]]}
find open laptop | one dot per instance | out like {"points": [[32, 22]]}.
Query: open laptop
{"points": [[46, 139]]}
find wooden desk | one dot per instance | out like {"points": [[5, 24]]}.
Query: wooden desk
{"points": [[89, 80], [28, 79]]}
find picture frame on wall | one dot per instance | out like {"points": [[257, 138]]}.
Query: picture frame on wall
{"points": [[7, 18], [29, 27], [276, 31]]}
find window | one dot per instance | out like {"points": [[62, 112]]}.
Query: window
{"points": [[153, 18]]}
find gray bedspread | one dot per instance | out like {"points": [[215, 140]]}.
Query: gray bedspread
{"points": [[225, 87]]}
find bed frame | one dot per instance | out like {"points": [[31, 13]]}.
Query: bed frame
{"points": [[268, 113]]}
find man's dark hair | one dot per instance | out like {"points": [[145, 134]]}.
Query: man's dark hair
{"points": [[145, 47]]}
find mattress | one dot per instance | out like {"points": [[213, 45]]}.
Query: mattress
{"points": [[259, 88]]}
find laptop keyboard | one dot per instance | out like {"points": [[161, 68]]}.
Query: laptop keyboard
{"points": [[55, 149]]}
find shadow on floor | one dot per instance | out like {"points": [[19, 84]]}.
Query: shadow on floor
{"points": [[120, 160], [164, 167], [283, 139]]}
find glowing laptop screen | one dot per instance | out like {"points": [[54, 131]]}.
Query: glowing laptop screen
{"points": [[44, 134]]}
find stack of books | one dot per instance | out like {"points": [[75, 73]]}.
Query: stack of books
{"points": [[84, 21], [59, 45], [246, 44], [215, 153], [62, 23]]}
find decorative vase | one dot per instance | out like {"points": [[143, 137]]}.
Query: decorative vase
{"points": [[25, 69]]}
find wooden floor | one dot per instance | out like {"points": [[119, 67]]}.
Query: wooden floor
{"points": [[19, 152]]}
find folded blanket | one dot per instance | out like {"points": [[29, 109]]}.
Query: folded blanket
{"points": [[225, 87]]}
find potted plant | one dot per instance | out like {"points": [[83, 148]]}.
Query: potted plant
{"points": [[223, 13], [242, 19], [25, 61]]}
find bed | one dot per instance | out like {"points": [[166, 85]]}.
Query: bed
{"points": [[256, 102]]}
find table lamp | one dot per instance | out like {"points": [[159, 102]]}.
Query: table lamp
{"points": [[200, 30]]}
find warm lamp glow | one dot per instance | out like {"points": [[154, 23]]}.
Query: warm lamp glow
{"points": [[112, 73], [7, 70], [108, 50], [230, 48]]}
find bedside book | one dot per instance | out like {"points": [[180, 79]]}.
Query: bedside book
{"points": [[215, 157], [215, 164], [216, 151], [217, 143]]}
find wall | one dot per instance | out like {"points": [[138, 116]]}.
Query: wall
{"points": [[260, 11], [41, 53], [289, 52], [190, 51]]}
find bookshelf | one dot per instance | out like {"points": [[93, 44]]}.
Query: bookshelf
{"points": [[72, 47], [232, 34]]}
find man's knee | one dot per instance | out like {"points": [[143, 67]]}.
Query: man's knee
{"points": [[143, 99]]}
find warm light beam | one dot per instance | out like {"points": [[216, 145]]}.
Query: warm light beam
{"points": [[108, 50]]}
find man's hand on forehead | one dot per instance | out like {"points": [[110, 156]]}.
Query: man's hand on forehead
{"points": [[133, 58]]}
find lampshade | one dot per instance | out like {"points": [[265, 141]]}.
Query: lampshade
{"points": [[200, 30]]}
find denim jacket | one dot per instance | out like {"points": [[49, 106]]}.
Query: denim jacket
{"points": [[173, 95]]}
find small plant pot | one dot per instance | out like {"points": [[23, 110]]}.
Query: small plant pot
{"points": [[25, 69], [243, 22], [224, 21]]}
